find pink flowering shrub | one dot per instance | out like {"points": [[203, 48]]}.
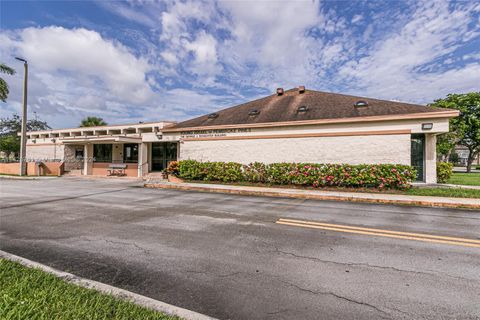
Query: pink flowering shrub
{"points": [[381, 176]]}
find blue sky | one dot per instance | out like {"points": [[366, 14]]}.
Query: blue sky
{"points": [[172, 60]]}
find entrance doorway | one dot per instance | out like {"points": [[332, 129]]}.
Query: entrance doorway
{"points": [[417, 155], [162, 154]]}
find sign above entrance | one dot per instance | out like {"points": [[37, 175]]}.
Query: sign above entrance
{"points": [[212, 133]]}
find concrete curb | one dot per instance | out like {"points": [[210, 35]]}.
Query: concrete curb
{"points": [[91, 177], [105, 288], [27, 177], [300, 194]]}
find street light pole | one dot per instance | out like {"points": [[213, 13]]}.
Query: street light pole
{"points": [[23, 140]]}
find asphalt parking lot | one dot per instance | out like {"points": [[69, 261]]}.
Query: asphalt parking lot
{"points": [[225, 255]]}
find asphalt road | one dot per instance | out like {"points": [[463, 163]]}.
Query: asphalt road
{"points": [[224, 255]]}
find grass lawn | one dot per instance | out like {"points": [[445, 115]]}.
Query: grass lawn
{"points": [[444, 192], [27, 293], [469, 179]]}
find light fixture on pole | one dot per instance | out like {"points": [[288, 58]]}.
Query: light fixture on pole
{"points": [[23, 140]]}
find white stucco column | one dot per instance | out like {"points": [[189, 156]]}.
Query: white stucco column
{"points": [[142, 159], [430, 158], [87, 159]]}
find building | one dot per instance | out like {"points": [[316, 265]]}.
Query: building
{"points": [[463, 153], [295, 125], [92, 150]]}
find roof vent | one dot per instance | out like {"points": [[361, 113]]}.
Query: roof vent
{"points": [[213, 115], [302, 109], [301, 89], [254, 113], [279, 91], [361, 104]]}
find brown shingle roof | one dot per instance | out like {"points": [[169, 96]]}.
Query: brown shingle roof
{"points": [[321, 105]]}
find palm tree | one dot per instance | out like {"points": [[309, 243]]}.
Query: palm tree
{"points": [[3, 84], [92, 122]]}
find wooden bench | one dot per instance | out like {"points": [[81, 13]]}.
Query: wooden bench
{"points": [[117, 169]]}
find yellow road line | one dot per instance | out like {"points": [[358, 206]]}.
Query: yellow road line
{"points": [[458, 243], [420, 235]]}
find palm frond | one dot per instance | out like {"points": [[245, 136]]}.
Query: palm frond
{"points": [[6, 69], [3, 90]]}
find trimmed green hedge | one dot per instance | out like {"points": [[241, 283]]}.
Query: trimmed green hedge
{"points": [[444, 171], [303, 174]]}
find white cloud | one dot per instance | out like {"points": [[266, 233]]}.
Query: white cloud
{"points": [[170, 57], [129, 11], [357, 18], [472, 56], [86, 53], [197, 56], [181, 101], [264, 44], [174, 19], [204, 49], [181, 41], [271, 35], [77, 71], [403, 65]]}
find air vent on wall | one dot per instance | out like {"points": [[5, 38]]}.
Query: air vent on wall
{"points": [[254, 113], [213, 115], [302, 109], [361, 104]]}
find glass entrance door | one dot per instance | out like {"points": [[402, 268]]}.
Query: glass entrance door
{"points": [[162, 154], [418, 155]]}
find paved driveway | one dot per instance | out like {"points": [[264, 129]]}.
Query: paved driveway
{"points": [[224, 255]]}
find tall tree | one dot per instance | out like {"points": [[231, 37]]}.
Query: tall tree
{"points": [[446, 145], [3, 84], [9, 129], [467, 125], [92, 122]]}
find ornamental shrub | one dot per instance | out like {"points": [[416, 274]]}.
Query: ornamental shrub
{"points": [[444, 171], [172, 168], [210, 171], [255, 172], [302, 174]]}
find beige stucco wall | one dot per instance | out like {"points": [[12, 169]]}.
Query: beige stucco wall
{"points": [[45, 151], [350, 149], [88, 154], [430, 158]]}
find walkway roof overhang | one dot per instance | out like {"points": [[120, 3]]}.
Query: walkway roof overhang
{"points": [[86, 140]]}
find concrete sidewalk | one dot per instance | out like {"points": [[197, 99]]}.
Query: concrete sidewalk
{"points": [[324, 195], [446, 185]]}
